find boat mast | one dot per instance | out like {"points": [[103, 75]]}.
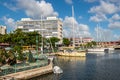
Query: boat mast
{"points": [[42, 37], [73, 26], [98, 35]]}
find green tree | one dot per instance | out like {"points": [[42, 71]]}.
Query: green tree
{"points": [[30, 57], [11, 59], [1, 38], [30, 38], [94, 43], [3, 56], [89, 45], [18, 35], [19, 55], [53, 40], [66, 41]]}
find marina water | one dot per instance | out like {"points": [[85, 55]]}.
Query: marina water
{"points": [[92, 67]]}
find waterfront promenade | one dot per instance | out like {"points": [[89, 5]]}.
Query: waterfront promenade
{"points": [[29, 73]]}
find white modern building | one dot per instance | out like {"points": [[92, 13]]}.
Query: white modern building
{"points": [[49, 27], [2, 29]]}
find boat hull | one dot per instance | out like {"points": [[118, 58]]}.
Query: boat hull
{"points": [[72, 54], [96, 50]]}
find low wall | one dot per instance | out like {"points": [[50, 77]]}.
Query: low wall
{"points": [[29, 73]]}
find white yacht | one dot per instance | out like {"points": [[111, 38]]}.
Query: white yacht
{"points": [[96, 50]]}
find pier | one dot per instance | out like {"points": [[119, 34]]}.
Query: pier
{"points": [[29, 73]]}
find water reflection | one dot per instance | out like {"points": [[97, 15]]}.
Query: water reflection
{"points": [[91, 67], [72, 67]]}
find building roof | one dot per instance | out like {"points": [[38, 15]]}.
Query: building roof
{"points": [[4, 44]]}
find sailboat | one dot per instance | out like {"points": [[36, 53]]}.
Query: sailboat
{"points": [[72, 53], [98, 48]]}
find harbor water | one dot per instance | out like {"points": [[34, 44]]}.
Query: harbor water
{"points": [[95, 66]]}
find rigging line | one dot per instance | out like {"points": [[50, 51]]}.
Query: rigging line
{"points": [[42, 35], [56, 60], [49, 40]]}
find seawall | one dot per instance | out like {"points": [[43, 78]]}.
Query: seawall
{"points": [[29, 73]]}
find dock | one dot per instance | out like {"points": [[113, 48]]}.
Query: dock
{"points": [[27, 74]]}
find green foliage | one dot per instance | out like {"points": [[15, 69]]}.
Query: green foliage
{"points": [[17, 48], [90, 44], [3, 56], [94, 43], [30, 57], [54, 40], [11, 59], [30, 38], [66, 41], [7, 57], [18, 37], [19, 54]]}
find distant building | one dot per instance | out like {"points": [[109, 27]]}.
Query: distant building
{"points": [[87, 39], [49, 27], [81, 40], [2, 29], [3, 45]]}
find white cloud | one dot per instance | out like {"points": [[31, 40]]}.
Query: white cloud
{"points": [[117, 2], [80, 17], [111, 1], [9, 22], [67, 33], [79, 29], [98, 18], [90, 0], [115, 17], [69, 1], [68, 22], [36, 9], [117, 37], [11, 7], [33, 8], [114, 22], [102, 34], [104, 8], [83, 27], [114, 25]]}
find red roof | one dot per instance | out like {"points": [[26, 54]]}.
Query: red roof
{"points": [[4, 44]]}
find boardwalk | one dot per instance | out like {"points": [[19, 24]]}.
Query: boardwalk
{"points": [[29, 73]]}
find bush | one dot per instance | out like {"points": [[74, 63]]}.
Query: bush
{"points": [[19, 54], [30, 57]]}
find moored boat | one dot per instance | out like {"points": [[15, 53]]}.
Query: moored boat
{"points": [[72, 54], [96, 50]]}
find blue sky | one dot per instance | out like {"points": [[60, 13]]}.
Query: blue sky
{"points": [[91, 17]]}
